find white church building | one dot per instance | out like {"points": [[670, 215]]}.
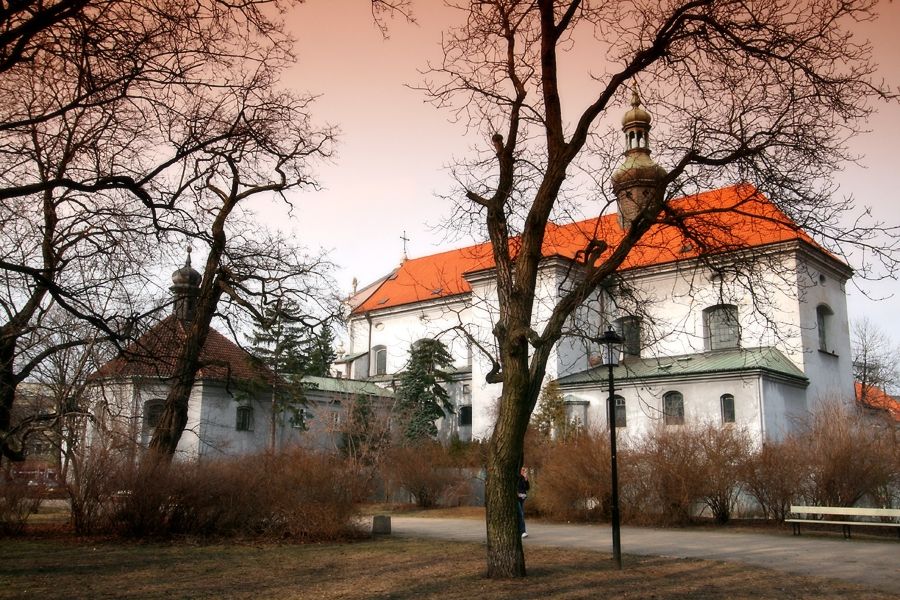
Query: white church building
{"points": [[736, 316]]}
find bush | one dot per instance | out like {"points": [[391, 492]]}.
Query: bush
{"points": [[427, 472], [298, 495], [847, 457], [673, 471], [773, 475], [99, 478], [723, 452], [573, 481], [17, 501]]}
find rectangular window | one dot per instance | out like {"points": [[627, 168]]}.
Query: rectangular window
{"points": [[244, 418], [465, 416], [621, 418], [630, 330]]}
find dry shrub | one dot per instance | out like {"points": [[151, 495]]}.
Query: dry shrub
{"points": [[773, 476], [17, 501], [300, 495], [723, 452], [672, 470], [99, 478], [426, 471], [573, 481], [848, 457]]}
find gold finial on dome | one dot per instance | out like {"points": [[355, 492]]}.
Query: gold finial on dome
{"points": [[637, 115]]}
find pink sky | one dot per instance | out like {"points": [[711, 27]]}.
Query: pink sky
{"points": [[394, 147]]}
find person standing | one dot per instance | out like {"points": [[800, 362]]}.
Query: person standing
{"points": [[522, 487]]}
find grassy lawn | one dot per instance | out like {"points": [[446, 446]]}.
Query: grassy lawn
{"points": [[66, 567]]}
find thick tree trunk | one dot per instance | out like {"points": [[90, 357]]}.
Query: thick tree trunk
{"points": [[505, 558]]}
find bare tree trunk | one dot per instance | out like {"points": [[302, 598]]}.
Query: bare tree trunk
{"points": [[175, 414]]}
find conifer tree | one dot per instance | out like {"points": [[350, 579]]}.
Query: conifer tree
{"points": [[421, 399], [550, 417]]}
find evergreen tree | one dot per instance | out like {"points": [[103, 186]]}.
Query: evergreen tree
{"points": [[551, 413], [319, 351], [279, 341], [421, 399], [550, 417]]}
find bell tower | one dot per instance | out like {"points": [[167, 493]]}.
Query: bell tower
{"points": [[638, 182]]}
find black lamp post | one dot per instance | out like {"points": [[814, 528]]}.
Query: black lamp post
{"points": [[610, 348]]}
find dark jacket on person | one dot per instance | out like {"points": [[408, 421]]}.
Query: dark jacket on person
{"points": [[522, 488]]}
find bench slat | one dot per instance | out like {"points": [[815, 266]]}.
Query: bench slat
{"points": [[866, 523], [846, 511]]}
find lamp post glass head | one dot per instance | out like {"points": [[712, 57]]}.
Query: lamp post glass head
{"points": [[610, 347]]}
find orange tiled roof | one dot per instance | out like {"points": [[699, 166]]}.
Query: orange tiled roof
{"points": [[730, 218], [876, 398], [154, 355]]}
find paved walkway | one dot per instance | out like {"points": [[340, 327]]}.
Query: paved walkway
{"points": [[875, 563]]}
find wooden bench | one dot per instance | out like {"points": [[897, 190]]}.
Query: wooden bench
{"points": [[843, 511]]}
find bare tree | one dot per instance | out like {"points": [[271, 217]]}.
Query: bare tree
{"points": [[103, 106], [767, 93], [876, 359], [112, 112]]}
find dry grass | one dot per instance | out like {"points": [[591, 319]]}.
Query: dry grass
{"points": [[400, 569]]}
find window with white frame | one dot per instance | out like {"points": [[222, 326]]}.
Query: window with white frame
{"points": [[380, 354], [673, 408], [727, 401], [721, 327]]}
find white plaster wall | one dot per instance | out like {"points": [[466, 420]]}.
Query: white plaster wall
{"points": [[784, 407], [397, 329], [702, 404], [212, 423], [830, 373], [675, 298]]}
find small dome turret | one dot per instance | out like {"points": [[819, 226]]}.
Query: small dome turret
{"points": [[186, 287], [187, 275], [637, 183]]}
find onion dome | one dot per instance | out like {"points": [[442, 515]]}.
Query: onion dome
{"points": [[185, 287], [187, 275], [637, 181]]}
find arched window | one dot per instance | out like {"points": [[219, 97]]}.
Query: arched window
{"points": [[673, 408], [721, 327], [153, 410], [630, 329], [380, 354], [621, 415], [244, 418], [727, 401], [823, 323]]}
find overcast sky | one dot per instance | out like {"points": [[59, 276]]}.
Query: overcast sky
{"points": [[394, 147]]}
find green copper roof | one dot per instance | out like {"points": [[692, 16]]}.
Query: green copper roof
{"points": [[345, 386], [734, 360]]}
